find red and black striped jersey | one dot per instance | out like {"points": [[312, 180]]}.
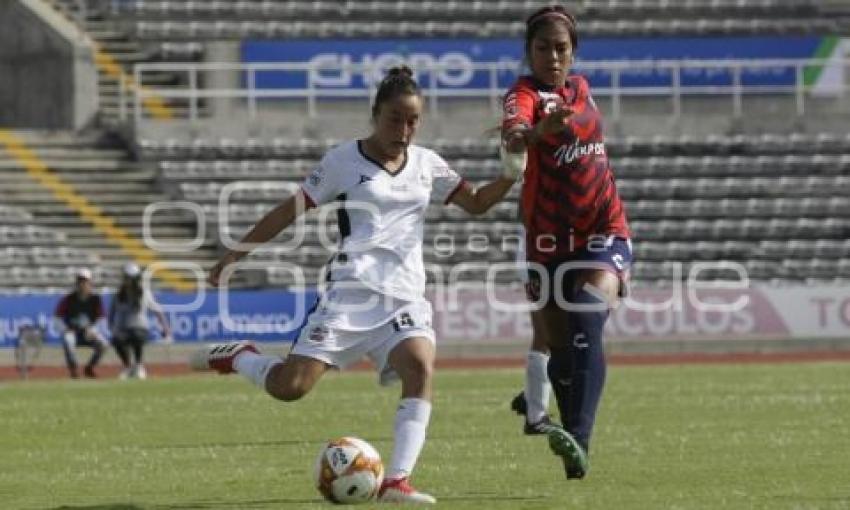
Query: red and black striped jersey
{"points": [[569, 194]]}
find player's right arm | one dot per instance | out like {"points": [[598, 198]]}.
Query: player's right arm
{"points": [[320, 187], [519, 126], [264, 230], [517, 117]]}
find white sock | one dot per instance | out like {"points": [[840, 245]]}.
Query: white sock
{"points": [[411, 422], [255, 367], [537, 386]]}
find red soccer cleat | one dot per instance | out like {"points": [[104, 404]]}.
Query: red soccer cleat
{"points": [[219, 357], [399, 490]]}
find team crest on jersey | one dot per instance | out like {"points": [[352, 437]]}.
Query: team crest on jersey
{"points": [[549, 102], [442, 171], [316, 177]]}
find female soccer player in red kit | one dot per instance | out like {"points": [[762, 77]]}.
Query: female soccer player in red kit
{"points": [[577, 238]]}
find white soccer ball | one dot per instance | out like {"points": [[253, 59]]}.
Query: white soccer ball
{"points": [[348, 471]]}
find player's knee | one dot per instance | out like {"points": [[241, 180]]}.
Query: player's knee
{"points": [[419, 372], [288, 391], [602, 284]]}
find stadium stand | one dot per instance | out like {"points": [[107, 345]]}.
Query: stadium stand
{"points": [[48, 235], [117, 52], [186, 19], [685, 197]]}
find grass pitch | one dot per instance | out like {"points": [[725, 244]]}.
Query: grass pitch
{"points": [[736, 436]]}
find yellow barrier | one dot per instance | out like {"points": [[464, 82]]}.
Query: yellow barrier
{"points": [[64, 192]]}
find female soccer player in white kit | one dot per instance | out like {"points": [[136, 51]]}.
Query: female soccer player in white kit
{"points": [[383, 184]]}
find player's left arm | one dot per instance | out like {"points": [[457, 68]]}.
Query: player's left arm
{"points": [[579, 118], [479, 201]]}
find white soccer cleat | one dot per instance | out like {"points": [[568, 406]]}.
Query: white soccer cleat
{"points": [[399, 490], [219, 357], [125, 374], [139, 372]]}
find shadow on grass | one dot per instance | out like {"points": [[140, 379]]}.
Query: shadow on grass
{"points": [[252, 444], [259, 503], [290, 442], [108, 506], [272, 503], [813, 499], [490, 497], [199, 505]]}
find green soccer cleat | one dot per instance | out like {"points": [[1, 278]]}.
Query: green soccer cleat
{"points": [[564, 445]]}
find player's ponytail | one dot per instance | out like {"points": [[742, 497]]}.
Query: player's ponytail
{"points": [[398, 81]]}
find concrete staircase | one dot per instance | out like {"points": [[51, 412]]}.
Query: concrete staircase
{"points": [[106, 177], [114, 41]]}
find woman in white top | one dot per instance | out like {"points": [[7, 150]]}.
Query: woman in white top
{"points": [[383, 185], [128, 322]]}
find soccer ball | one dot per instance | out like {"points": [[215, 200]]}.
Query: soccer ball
{"points": [[348, 471]]}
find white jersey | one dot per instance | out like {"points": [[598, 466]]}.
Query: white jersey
{"points": [[381, 215]]}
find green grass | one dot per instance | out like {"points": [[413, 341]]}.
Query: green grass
{"points": [[755, 436]]}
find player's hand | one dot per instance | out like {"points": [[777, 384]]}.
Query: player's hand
{"points": [[515, 141], [513, 163], [215, 273], [555, 122]]}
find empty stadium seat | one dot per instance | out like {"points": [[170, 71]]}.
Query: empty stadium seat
{"points": [[764, 201]]}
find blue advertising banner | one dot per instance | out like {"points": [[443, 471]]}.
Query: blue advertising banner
{"points": [[267, 315], [458, 56]]}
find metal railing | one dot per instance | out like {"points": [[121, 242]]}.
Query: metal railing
{"points": [[81, 9], [675, 79]]}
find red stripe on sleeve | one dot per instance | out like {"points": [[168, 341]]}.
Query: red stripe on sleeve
{"points": [[311, 204], [461, 184], [518, 106]]}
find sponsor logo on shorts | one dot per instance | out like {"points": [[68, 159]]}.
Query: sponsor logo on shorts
{"points": [[618, 261], [318, 334], [580, 341]]}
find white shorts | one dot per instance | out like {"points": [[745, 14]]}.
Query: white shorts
{"points": [[340, 337]]}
